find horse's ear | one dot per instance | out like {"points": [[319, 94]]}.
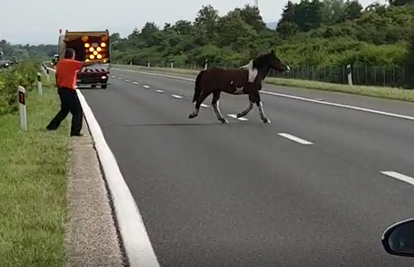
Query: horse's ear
{"points": [[273, 51]]}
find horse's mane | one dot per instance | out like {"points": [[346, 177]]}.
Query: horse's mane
{"points": [[260, 60], [255, 63]]}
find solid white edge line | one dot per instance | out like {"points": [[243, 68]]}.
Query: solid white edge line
{"points": [[399, 176], [295, 139], [134, 236], [177, 96], [322, 102]]}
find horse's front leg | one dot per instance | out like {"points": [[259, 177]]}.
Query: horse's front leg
{"points": [[247, 109], [258, 101], [215, 104], [199, 101]]}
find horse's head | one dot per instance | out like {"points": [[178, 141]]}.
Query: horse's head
{"points": [[274, 62]]}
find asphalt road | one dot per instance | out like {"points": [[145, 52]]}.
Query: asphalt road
{"points": [[244, 194]]}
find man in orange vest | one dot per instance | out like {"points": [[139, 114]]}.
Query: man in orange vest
{"points": [[66, 72]]}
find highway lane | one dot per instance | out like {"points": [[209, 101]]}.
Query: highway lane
{"points": [[376, 140], [241, 194]]}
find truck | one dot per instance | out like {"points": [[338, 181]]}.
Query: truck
{"points": [[89, 46]]}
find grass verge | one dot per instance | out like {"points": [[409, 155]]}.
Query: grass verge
{"points": [[373, 91], [33, 186]]}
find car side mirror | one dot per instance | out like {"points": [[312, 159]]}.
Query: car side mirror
{"points": [[398, 239]]}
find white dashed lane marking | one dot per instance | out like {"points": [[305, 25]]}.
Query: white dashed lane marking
{"points": [[146, 86], [135, 83], [295, 139], [159, 91], [177, 96], [399, 176], [205, 106], [234, 116], [127, 80]]}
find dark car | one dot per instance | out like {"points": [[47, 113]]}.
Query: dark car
{"points": [[14, 61], [4, 64]]}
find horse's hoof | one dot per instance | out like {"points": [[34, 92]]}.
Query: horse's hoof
{"points": [[223, 120], [192, 116], [266, 120], [239, 115]]}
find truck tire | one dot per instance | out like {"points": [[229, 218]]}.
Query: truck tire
{"points": [[93, 86], [104, 86]]}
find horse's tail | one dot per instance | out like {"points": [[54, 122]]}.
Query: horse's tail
{"points": [[198, 88]]}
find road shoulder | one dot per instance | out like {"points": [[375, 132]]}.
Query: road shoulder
{"points": [[91, 234]]}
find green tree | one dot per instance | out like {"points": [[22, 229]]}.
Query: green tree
{"points": [[317, 33], [206, 24], [400, 2], [353, 10]]}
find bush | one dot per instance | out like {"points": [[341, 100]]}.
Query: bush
{"points": [[23, 74]]}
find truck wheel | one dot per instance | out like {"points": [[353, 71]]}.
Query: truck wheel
{"points": [[93, 86], [104, 86]]}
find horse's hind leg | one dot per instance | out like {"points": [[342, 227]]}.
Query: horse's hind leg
{"points": [[247, 109], [215, 104], [199, 101], [257, 100]]}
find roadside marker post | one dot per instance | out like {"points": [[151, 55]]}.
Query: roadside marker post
{"points": [[349, 74], [22, 108], [39, 83]]}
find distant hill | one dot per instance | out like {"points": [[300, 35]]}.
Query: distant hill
{"points": [[272, 25]]}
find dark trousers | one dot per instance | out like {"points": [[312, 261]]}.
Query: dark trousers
{"points": [[69, 102]]}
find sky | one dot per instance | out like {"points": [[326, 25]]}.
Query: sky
{"points": [[38, 22]]}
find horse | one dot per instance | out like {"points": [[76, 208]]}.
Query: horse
{"points": [[246, 80]]}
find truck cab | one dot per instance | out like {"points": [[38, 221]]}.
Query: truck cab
{"points": [[89, 46]]}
